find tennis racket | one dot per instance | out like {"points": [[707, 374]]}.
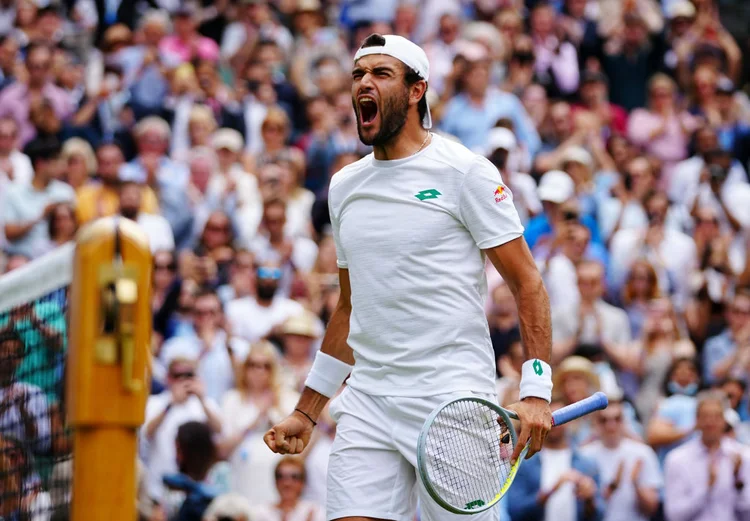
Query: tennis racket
{"points": [[464, 450]]}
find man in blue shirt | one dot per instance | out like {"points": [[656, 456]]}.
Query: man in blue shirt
{"points": [[471, 114]]}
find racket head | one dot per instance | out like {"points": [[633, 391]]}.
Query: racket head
{"points": [[463, 454]]}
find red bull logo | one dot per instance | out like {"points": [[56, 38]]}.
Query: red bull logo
{"points": [[500, 194]]}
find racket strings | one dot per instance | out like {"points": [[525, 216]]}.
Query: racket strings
{"points": [[468, 454]]}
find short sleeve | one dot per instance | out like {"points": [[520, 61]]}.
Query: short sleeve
{"points": [[486, 206], [340, 256]]}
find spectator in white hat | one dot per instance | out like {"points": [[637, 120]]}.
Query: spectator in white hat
{"points": [[231, 178], [578, 163], [555, 188], [501, 149]]}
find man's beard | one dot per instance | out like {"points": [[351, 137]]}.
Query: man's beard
{"points": [[129, 213], [265, 292], [392, 120]]}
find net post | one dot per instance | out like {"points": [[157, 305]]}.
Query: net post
{"points": [[107, 383]]}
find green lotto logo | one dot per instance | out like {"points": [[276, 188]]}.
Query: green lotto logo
{"points": [[474, 504], [424, 195], [537, 365]]}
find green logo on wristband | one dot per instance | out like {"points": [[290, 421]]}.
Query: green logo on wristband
{"points": [[537, 365]]}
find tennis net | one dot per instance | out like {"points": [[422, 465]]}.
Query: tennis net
{"points": [[35, 448]]}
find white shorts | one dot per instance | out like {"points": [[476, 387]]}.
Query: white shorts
{"points": [[372, 467]]}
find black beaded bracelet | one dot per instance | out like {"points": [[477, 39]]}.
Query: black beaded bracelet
{"points": [[307, 416]]}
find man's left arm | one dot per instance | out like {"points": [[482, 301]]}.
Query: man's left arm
{"points": [[515, 264], [486, 210]]}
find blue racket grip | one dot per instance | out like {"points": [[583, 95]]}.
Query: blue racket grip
{"points": [[595, 402]]}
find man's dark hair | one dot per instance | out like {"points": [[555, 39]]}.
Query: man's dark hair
{"points": [[410, 75], [197, 448], [42, 149]]}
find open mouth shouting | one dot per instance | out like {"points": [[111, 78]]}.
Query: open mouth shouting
{"points": [[368, 111]]}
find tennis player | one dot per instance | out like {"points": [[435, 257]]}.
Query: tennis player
{"points": [[413, 223]]}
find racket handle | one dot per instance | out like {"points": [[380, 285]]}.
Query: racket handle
{"points": [[595, 402]]}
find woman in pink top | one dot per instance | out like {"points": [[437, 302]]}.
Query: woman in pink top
{"points": [[664, 129], [186, 44]]}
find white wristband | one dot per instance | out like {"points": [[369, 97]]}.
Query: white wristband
{"points": [[327, 374], [536, 380]]}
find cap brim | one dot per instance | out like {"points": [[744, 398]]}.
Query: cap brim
{"points": [[551, 196]]}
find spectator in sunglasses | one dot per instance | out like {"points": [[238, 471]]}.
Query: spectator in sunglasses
{"points": [[183, 401], [290, 482], [294, 254], [628, 469], [268, 309], [261, 399], [210, 344]]}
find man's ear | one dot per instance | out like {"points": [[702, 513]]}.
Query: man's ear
{"points": [[417, 92]]}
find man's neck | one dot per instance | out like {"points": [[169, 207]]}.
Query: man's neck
{"points": [[556, 445], [612, 443], [409, 141], [264, 303], [476, 98], [39, 182], [711, 445]]}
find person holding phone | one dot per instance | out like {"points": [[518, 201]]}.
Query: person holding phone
{"points": [[184, 400], [671, 252]]}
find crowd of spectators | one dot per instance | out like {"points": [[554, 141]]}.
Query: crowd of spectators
{"points": [[620, 126]]}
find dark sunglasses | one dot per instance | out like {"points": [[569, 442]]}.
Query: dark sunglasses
{"points": [[186, 375], [296, 476], [255, 365], [607, 419]]}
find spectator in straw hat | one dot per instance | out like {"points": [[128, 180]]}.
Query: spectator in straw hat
{"points": [[573, 380], [299, 336]]}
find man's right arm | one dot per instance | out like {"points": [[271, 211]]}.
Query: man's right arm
{"points": [[334, 344], [292, 435]]}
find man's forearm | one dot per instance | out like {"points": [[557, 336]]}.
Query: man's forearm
{"points": [[334, 344], [534, 319], [16, 231]]}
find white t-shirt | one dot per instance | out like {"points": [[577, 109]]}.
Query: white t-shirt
{"points": [[252, 464], [160, 452], [158, 230], [623, 504], [411, 233], [561, 506], [252, 321]]}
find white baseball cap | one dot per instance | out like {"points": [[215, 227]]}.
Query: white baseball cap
{"points": [[578, 155], [500, 137], [556, 187], [681, 9], [227, 138], [408, 53]]}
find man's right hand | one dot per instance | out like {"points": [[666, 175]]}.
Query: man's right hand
{"points": [[291, 436]]}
